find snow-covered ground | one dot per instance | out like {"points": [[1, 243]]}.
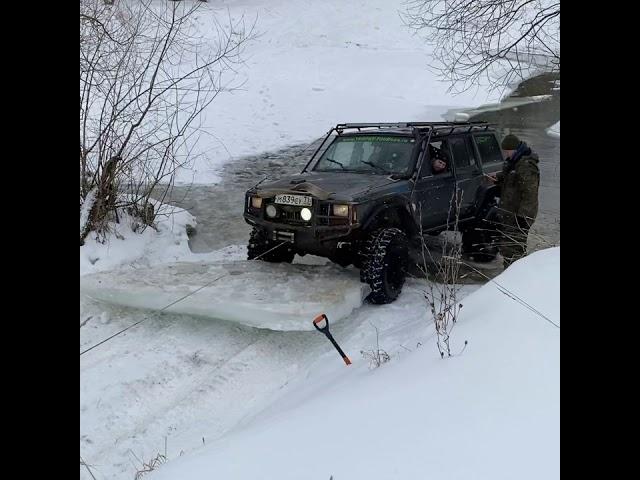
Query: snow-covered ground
{"points": [[167, 242], [491, 412], [188, 380], [226, 391], [554, 130], [226, 400], [316, 64]]}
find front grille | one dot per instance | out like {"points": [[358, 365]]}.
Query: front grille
{"points": [[292, 215], [323, 217], [287, 214]]}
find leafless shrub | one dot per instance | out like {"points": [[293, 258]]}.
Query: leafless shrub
{"points": [[376, 356], [503, 41], [150, 466], [145, 78], [441, 292], [87, 467], [85, 321]]}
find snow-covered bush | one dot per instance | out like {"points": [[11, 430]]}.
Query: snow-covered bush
{"points": [[442, 287], [146, 75], [376, 356]]}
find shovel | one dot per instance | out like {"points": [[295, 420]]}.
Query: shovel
{"points": [[321, 322]]}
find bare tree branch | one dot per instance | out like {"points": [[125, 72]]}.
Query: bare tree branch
{"points": [[146, 77], [498, 41]]}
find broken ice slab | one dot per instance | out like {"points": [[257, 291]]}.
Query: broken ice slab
{"points": [[254, 293]]}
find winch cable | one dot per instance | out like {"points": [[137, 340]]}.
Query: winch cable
{"points": [[146, 318], [174, 302], [271, 249], [514, 297]]}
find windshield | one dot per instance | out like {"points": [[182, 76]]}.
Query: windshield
{"points": [[368, 154]]}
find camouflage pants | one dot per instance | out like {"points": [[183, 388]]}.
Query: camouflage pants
{"points": [[512, 241]]}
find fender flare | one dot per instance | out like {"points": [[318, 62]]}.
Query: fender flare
{"points": [[402, 210]]}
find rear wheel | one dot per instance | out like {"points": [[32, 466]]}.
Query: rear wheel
{"points": [[477, 245], [261, 248], [385, 259], [479, 239]]}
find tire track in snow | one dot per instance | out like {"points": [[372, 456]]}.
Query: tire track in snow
{"points": [[183, 396], [192, 388]]}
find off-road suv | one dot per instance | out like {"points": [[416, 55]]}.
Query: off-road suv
{"points": [[369, 194]]}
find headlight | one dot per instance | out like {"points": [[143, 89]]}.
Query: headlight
{"points": [[305, 214], [271, 211], [256, 202], [341, 210]]}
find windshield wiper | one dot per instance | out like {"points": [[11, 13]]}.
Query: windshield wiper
{"points": [[334, 161], [375, 166]]}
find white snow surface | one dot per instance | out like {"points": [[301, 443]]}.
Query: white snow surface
{"points": [[554, 130], [254, 293], [279, 398], [491, 412], [234, 402], [189, 381], [316, 64], [85, 209], [166, 241]]}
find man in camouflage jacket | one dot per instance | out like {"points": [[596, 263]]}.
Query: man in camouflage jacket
{"points": [[518, 182]]}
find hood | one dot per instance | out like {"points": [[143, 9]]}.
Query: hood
{"points": [[326, 185]]}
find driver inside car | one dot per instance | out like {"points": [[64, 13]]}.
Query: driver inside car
{"points": [[439, 161]]}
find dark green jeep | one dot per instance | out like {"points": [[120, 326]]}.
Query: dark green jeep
{"points": [[371, 191]]}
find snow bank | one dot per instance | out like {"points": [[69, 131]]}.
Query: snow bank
{"points": [[168, 241], [316, 64], [554, 130], [254, 293], [490, 413]]}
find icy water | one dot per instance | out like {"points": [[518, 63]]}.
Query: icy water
{"points": [[218, 208], [529, 122]]}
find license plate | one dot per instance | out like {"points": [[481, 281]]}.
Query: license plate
{"points": [[297, 200]]}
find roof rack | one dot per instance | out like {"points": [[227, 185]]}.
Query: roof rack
{"points": [[415, 125]]}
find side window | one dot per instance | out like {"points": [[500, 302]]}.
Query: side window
{"points": [[460, 153], [489, 149], [437, 150], [472, 152]]}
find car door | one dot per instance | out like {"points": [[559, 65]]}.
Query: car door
{"points": [[433, 192], [468, 174], [490, 152]]}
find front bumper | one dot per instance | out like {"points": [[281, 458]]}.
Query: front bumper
{"points": [[321, 235]]}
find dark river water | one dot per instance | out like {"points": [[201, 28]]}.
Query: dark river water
{"points": [[218, 208]]}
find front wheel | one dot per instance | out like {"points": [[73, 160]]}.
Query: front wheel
{"points": [[385, 258]]}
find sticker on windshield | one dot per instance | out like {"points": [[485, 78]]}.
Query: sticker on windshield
{"points": [[373, 138]]}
